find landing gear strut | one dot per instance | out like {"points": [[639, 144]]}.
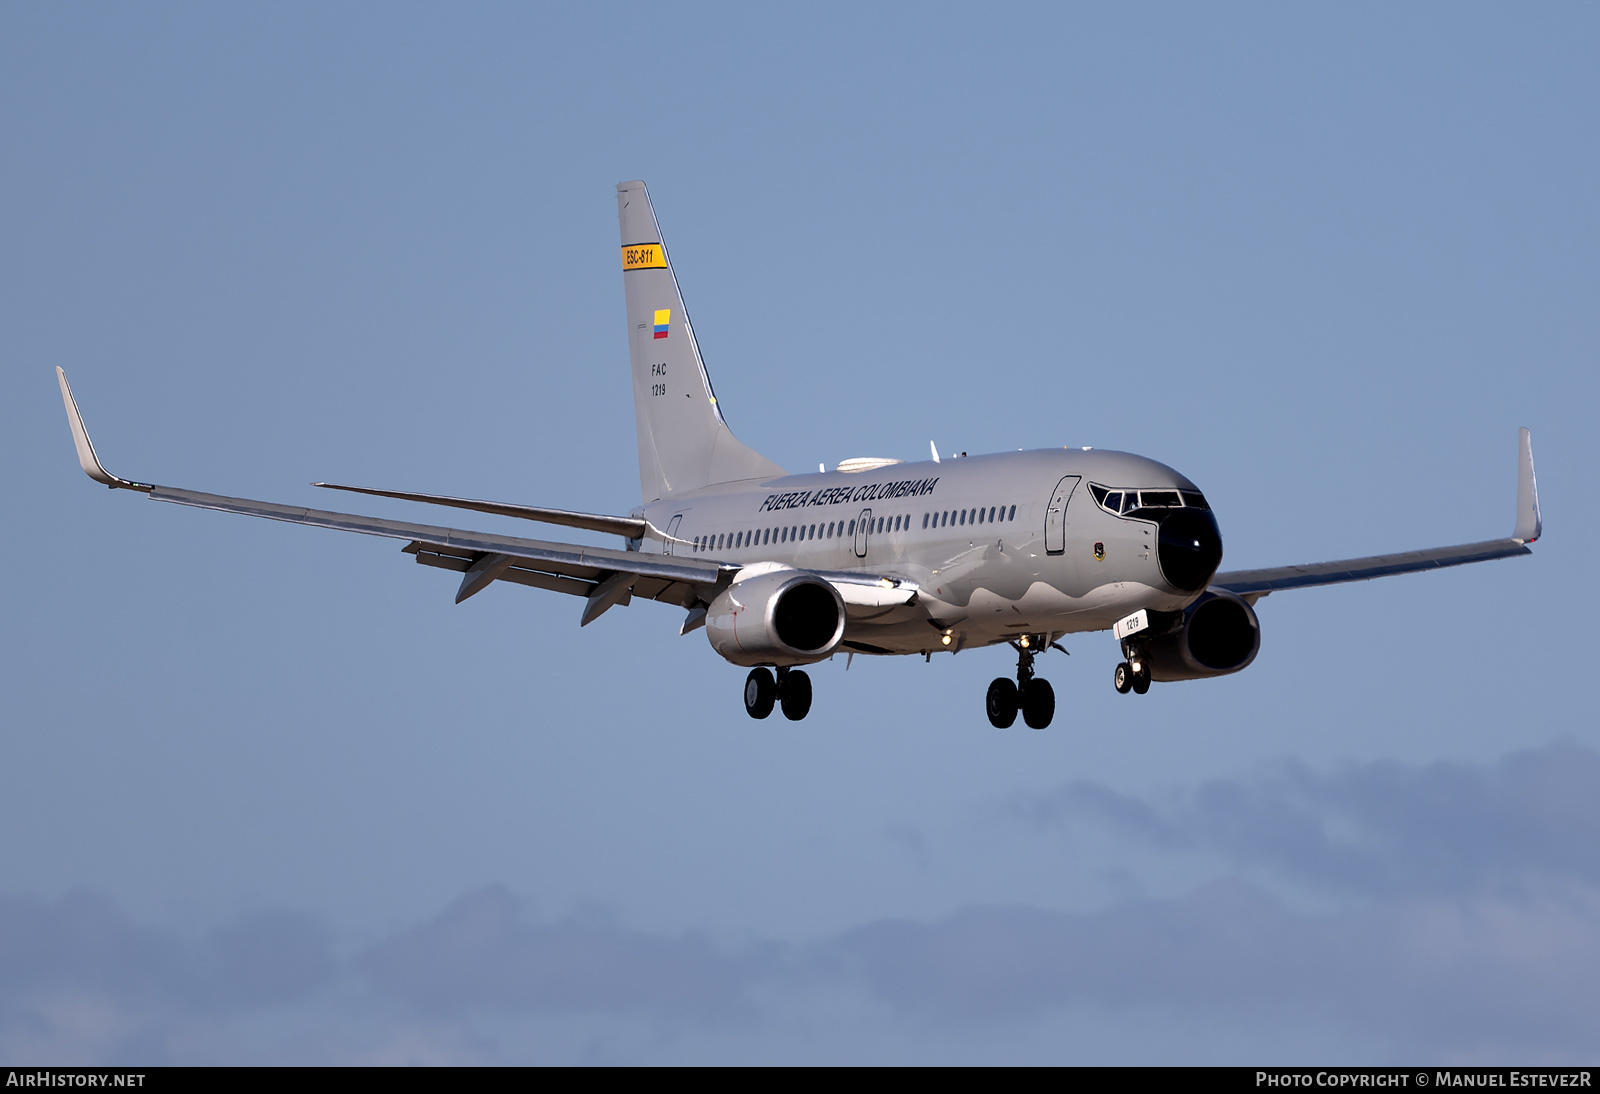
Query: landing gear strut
{"points": [[1032, 695], [791, 691]]}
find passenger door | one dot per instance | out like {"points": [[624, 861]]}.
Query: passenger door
{"points": [[672, 533], [1055, 516]]}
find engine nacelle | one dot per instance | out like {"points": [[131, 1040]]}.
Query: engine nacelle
{"points": [[1218, 634], [787, 617]]}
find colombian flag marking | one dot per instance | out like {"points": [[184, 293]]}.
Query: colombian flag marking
{"points": [[663, 320]]}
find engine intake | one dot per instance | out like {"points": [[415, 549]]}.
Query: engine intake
{"points": [[787, 617], [1218, 634]]}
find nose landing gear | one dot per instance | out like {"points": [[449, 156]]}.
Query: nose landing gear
{"points": [[1133, 674], [1030, 694]]}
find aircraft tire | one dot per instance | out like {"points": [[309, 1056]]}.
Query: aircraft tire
{"points": [[1123, 678], [794, 695], [1038, 703], [1141, 682], [760, 690], [1001, 703]]}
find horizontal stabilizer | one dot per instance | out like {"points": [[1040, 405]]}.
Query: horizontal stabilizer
{"points": [[627, 527], [670, 567]]}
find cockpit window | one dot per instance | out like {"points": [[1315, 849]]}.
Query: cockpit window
{"points": [[1126, 501]]}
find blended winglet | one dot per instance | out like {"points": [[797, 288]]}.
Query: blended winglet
{"points": [[87, 459], [1530, 525]]}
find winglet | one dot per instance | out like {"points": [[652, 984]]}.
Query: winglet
{"points": [[86, 455], [1529, 524]]}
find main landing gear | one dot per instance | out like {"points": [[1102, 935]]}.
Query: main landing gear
{"points": [[1133, 674], [1032, 695], [791, 691]]}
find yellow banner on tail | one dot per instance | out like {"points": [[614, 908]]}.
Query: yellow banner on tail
{"points": [[644, 256]]}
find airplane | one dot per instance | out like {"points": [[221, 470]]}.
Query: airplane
{"points": [[878, 556]]}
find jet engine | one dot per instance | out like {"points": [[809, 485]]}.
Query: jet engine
{"points": [[1216, 635], [787, 617]]}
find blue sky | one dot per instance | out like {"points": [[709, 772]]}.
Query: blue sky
{"points": [[270, 795]]}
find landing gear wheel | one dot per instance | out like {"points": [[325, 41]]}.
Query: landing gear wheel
{"points": [[794, 695], [1141, 682], [760, 691], [1001, 703], [1123, 678], [1038, 703]]}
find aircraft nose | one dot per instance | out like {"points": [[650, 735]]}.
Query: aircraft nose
{"points": [[1189, 548]]}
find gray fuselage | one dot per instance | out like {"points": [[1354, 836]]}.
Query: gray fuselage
{"points": [[999, 545]]}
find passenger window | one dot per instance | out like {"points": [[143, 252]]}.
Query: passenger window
{"points": [[924, 521], [811, 533], [852, 528], [1013, 515]]}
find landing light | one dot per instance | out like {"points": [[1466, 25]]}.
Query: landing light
{"points": [[1024, 641], [944, 639]]}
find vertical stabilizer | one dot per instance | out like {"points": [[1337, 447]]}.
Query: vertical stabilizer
{"points": [[683, 442]]}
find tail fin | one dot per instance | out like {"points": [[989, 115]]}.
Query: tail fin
{"points": [[683, 442]]}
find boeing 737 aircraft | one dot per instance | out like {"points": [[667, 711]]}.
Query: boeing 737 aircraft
{"points": [[877, 556]]}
